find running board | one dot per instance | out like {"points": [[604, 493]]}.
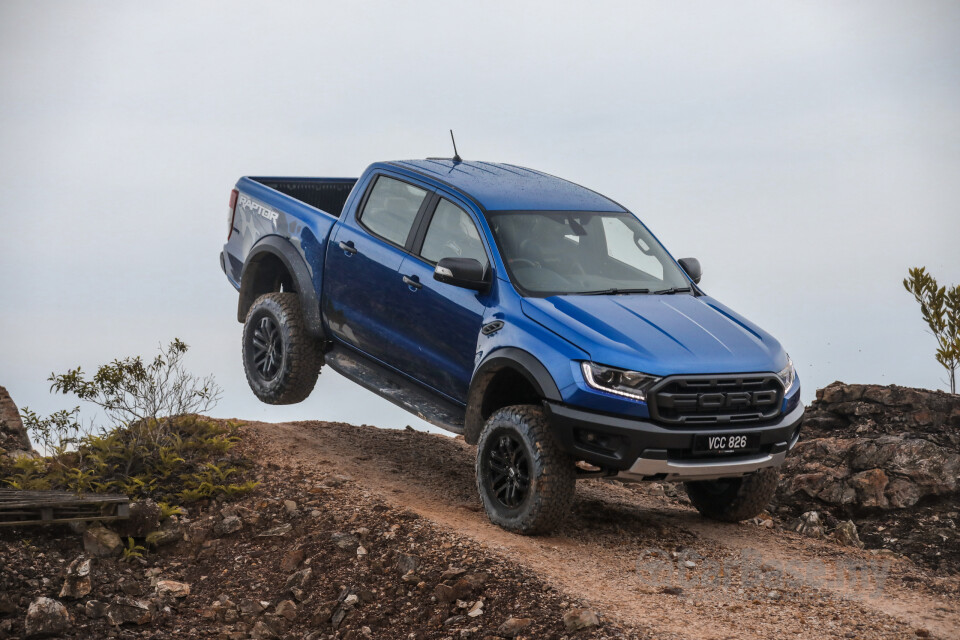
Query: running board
{"points": [[394, 387]]}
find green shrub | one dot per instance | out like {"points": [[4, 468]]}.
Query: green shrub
{"points": [[158, 449]]}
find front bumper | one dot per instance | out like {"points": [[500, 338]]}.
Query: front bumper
{"points": [[642, 450]]}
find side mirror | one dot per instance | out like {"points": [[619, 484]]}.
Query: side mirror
{"points": [[692, 267], [461, 272]]}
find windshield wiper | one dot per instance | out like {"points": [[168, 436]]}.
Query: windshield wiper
{"points": [[611, 292], [672, 290]]}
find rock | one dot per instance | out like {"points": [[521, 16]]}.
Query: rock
{"points": [[577, 619], [277, 532], [95, 609], [230, 524], [902, 493], [774, 595], [173, 588], [170, 532], [291, 507], [76, 583], [8, 604], [13, 437], [361, 551], [298, 582], [129, 611], [261, 631], [46, 617], [452, 572], [252, 607], [870, 486], [846, 534], [476, 610], [407, 564], [512, 627], [345, 541], [100, 542], [287, 609], [292, 559], [809, 525], [144, 519]]}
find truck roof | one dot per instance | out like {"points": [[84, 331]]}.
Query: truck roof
{"points": [[499, 187]]}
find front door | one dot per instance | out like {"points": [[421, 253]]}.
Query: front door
{"points": [[440, 323]]}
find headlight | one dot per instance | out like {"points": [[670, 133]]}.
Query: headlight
{"points": [[629, 384], [787, 375]]}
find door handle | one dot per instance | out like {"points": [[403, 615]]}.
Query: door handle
{"points": [[348, 247], [413, 282]]}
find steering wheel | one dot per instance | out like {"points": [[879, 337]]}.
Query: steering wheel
{"points": [[525, 261]]}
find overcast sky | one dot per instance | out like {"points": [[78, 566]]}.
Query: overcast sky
{"points": [[808, 153]]}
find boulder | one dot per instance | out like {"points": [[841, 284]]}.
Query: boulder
{"points": [[76, 583], [846, 534], [100, 542], [512, 627], [129, 611], [13, 437], [577, 619], [46, 617], [173, 588]]}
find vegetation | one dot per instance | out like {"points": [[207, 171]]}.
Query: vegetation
{"points": [[940, 308], [157, 447]]}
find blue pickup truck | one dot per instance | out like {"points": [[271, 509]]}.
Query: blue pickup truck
{"points": [[539, 319]]}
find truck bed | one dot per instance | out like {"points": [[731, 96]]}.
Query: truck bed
{"points": [[326, 194]]}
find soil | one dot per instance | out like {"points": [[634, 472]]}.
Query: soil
{"points": [[623, 552], [780, 583]]}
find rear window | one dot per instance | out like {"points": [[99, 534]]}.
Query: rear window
{"points": [[391, 209]]}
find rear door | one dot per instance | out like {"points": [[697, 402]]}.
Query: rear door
{"points": [[364, 292], [440, 323]]}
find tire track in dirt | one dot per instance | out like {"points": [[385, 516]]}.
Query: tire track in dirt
{"points": [[595, 553]]}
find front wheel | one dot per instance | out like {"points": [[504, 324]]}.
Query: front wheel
{"points": [[525, 481], [734, 499], [281, 360]]}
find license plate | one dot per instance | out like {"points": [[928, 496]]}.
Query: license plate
{"points": [[726, 442]]}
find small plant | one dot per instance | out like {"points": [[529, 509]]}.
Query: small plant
{"points": [[167, 511], [133, 550], [940, 309], [130, 391]]}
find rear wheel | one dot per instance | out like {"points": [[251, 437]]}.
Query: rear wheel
{"points": [[525, 481], [281, 360], [734, 499]]}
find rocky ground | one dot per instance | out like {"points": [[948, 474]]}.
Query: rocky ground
{"points": [[308, 556], [886, 458], [358, 532]]}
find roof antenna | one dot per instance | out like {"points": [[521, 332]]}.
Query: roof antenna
{"points": [[456, 156]]}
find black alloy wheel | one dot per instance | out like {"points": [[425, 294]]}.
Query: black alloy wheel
{"points": [[280, 358], [509, 471], [267, 348]]}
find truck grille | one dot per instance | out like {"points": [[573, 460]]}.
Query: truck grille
{"points": [[715, 399]]}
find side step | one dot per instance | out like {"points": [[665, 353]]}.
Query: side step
{"points": [[394, 387]]}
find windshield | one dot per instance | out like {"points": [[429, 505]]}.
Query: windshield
{"points": [[555, 253]]}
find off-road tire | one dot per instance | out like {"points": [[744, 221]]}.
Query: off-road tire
{"points": [[734, 499], [298, 364], [552, 474]]}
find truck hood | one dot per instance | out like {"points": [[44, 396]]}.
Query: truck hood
{"points": [[659, 334]]}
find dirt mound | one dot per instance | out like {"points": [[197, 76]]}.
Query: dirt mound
{"points": [[888, 458], [307, 556]]}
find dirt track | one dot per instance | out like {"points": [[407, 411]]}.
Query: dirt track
{"points": [[615, 548]]}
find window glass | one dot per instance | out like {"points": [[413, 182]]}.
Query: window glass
{"points": [[391, 209], [556, 253], [452, 234], [622, 245]]}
